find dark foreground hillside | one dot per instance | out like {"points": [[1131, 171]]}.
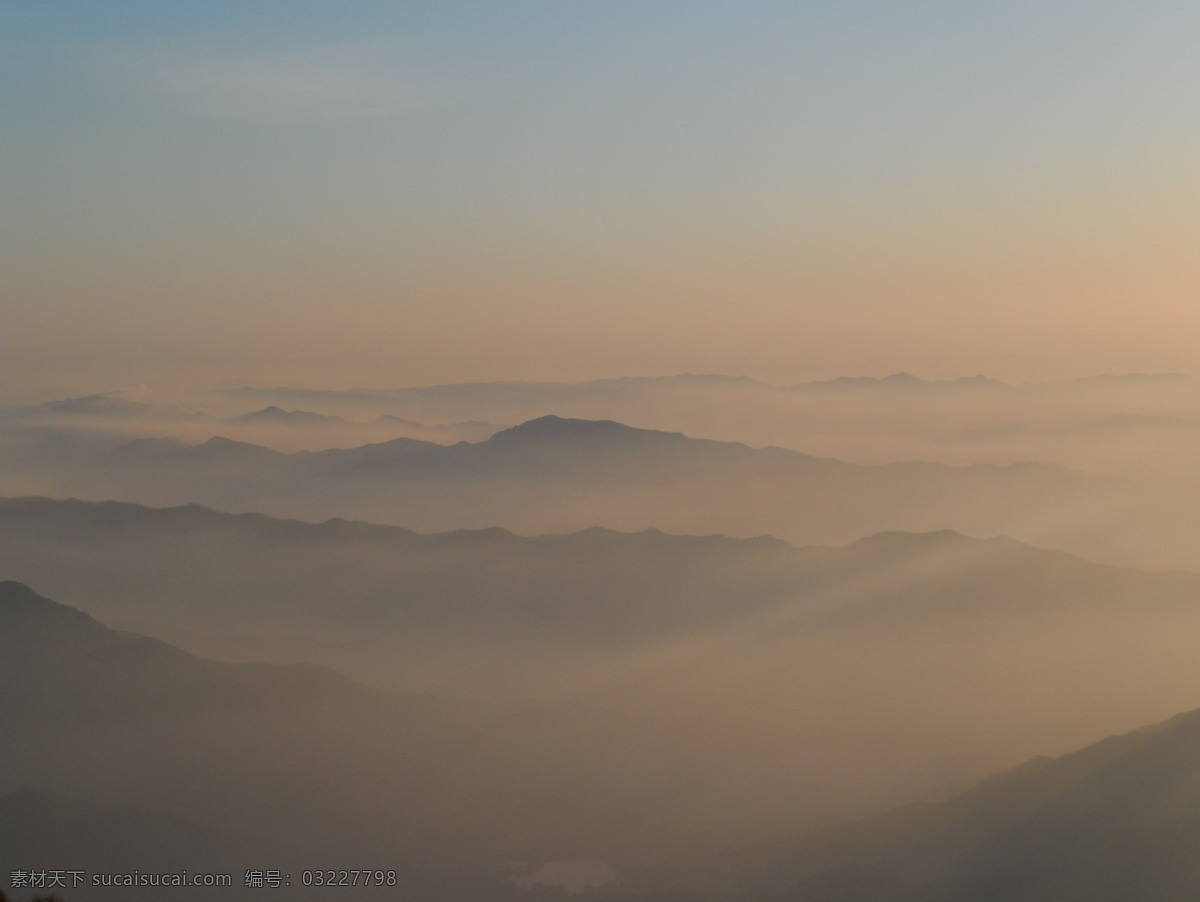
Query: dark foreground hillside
{"points": [[122, 754]]}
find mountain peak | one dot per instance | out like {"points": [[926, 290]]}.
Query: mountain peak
{"points": [[552, 424], [221, 448], [276, 414], [556, 427]]}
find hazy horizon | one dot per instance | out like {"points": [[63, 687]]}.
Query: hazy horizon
{"points": [[523, 444], [435, 193]]}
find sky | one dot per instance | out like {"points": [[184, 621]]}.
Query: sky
{"points": [[403, 193]]}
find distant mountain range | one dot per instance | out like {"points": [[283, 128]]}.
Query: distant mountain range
{"points": [[166, 568], [556, 392], [296, 418], [932, 644], [688, 400], [852, 417], [105, 421], [1141, 430], [555, 474]]}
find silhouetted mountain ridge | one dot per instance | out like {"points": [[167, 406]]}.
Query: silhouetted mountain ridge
{"points": [[560, 474], [1116, 820], [561, 434], [102, 675], [150, 566], [556, 427], [277, 415]]}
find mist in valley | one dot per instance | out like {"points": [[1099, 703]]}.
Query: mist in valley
{"points": [[672, 705], [599, 452]]}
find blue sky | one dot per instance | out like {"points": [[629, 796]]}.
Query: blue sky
{"points": [[408, 192]]}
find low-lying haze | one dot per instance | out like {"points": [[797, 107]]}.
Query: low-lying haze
{"points": [[592, 451]]}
